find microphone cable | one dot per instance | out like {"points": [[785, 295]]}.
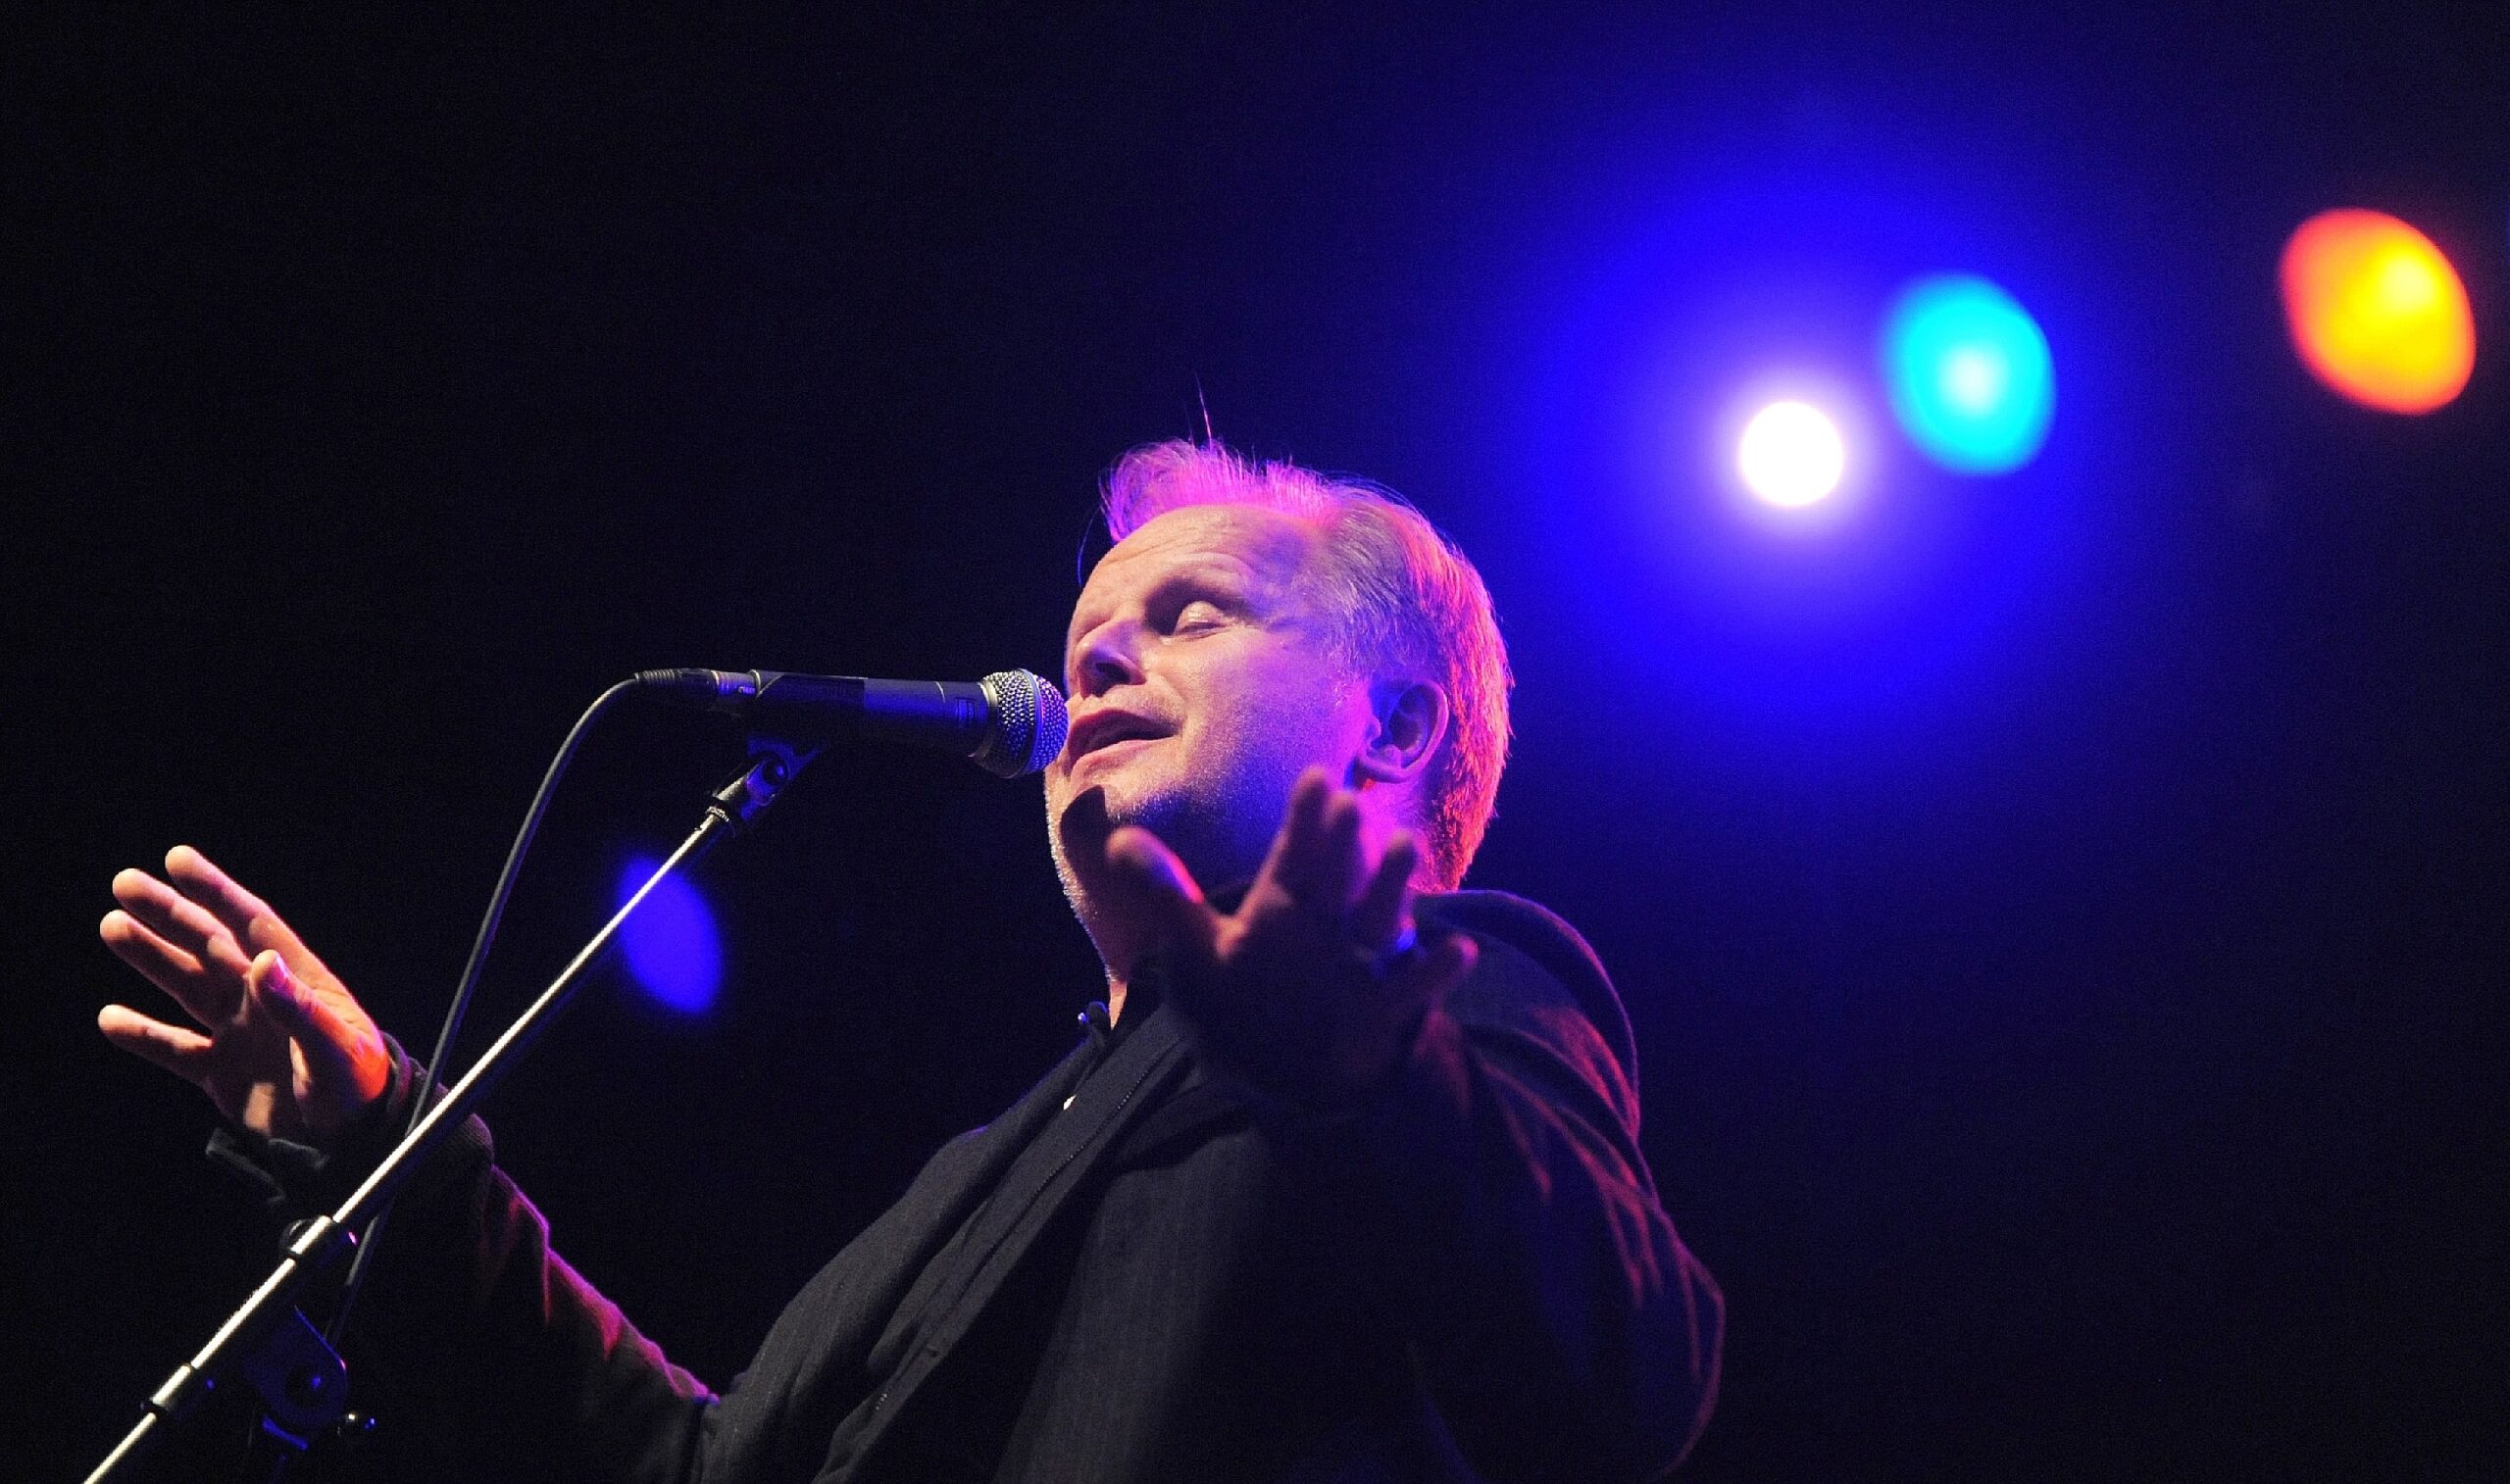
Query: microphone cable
{"points": [[424, 1078], [1036, 705]]}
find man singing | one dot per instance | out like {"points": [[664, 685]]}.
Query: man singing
{"points": [[1342, 1183]]}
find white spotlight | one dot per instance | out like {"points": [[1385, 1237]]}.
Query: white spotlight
{"points": [[1792, 455]]}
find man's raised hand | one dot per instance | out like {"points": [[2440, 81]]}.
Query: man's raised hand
{"points": [[1311, 989], [277, 1041]]}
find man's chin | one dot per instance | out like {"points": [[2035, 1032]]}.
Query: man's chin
{"points": [[1193, 826], [1083, 828], [1079, 835], [1098, 810], [1113, 797]]}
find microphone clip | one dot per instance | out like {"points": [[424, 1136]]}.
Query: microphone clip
{"points": [[773, 765]]}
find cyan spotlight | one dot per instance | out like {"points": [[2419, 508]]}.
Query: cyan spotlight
{"points": [[1968, 374]]}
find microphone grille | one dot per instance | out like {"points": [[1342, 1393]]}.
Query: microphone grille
{"points": [[1029, 715]]}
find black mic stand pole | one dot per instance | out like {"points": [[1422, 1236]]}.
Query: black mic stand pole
{"points": [[301, 1380]]}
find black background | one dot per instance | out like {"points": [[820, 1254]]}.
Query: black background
{"points": [[2066, 969]]}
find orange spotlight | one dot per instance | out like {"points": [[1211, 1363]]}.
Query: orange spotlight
{"points": [[2376, 311]]}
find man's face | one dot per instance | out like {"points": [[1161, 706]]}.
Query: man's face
{"points": [[1203, 680]]}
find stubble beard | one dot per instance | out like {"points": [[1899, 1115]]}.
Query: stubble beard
{"points": [[1199, 827]]}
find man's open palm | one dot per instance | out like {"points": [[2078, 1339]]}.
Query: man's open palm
{"points": [[276, 1041], [1311, 989]]}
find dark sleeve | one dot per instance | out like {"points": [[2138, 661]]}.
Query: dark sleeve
{"points": [[1561, 1326], [483, 1351]]}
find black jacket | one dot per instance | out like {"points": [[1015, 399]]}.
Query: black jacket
{"points": [[1468, 1277]]}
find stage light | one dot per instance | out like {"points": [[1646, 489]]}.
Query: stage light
{"points": [[2376, 311], [670, 941], [1792, 455], [1970, 375]]}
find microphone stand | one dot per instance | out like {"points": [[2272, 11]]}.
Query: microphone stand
{"points": [[301, 1380]]}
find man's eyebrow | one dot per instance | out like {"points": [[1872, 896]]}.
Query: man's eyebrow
{"points": [[1207, 573], [1216, 573]]}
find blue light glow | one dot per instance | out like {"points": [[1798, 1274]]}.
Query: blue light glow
{"points": [[1970, 375], [1874, 627], [672, 947]]}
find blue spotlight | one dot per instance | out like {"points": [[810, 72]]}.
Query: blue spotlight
{"points": [[1970, 375], [673, 951]]}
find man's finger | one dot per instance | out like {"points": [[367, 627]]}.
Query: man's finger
{"points": [[195, 876], [1377, 918], [266, 932], [178, 920], [1292, 863], [1443, 960], [184, 1053], [339, 1061], [1161, 889], [1338, 864], [170, 969]]}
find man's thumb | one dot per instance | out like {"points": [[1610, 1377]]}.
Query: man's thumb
{"points": [[329, 1043]]}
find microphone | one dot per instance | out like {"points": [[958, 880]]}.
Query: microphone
{"points": [[1010, 723]]}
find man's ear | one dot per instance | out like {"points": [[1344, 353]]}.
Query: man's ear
{"points": [[1411, 719]]}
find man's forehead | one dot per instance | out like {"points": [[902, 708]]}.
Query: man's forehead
{"points": [[1268, 546]]}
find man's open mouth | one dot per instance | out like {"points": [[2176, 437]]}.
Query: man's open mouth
{"points": [[1104, 729]]}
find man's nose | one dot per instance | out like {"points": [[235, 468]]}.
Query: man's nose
{"points": [[1110, 659]]}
